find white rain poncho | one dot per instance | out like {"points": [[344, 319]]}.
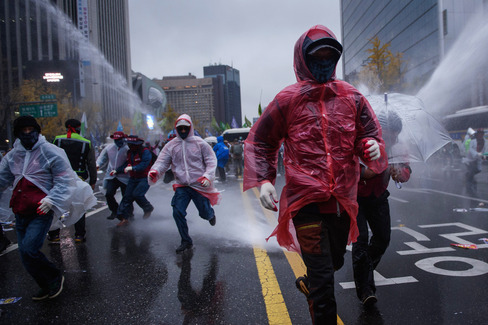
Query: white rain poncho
{"points": [[114, 158], [48, 167], [189, 159]]}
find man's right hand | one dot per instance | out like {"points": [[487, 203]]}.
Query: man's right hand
{"points": [[268, 196], [113, 172]]}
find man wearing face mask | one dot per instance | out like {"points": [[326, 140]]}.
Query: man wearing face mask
{"points": [[44, 186], [193, 163], [326, 125], [113, 156], [81, 155], [137, 165]]}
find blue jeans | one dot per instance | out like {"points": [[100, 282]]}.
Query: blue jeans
{"points": [[135, 191], [180, 202], [31, 232]]}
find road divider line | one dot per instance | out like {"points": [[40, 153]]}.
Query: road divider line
{"points": [[273, 298], [294, 259]]}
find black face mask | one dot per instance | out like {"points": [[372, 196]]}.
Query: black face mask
{"points": [[28, 140], [182, 134], [119, 143]]}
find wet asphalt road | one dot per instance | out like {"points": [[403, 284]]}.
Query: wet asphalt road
{"points": [[133, 275]]}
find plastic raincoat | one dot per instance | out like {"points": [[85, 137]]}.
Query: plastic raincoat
{"points": [[48, 167], [189, 159], [323, 126], [113, 157]]}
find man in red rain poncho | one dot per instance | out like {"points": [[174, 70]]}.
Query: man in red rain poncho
{"points": [[193, 163], [326, 125]]}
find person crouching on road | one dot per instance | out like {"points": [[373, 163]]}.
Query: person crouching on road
{"points": [[44, 186], [193, 163], [114, 155], [137, 165]]}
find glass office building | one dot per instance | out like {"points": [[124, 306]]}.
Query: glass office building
{"points": [[423, 30]]}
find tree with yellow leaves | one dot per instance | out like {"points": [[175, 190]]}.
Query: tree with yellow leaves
{"points": [[383, 72], [31, 90]]}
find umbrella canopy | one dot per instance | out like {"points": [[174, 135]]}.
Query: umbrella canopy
{"points": [[211, 140], [421, 134]]}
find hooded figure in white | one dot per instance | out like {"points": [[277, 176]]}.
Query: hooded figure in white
{"points": [[193, 163], [48, 167]]}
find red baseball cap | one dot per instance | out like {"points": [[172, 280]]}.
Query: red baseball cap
{"points": [[118, 135]]}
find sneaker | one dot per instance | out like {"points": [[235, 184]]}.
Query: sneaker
{"points": [[112, 216], [56, 288], [4, 243], [302, 285], [147, 213], [183, 247], [80, 239], [213, 221], [123, 223], [369, 300], [53, 239], [41, 295]]}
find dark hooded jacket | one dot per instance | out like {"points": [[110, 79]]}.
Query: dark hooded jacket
{"points": [[323, 126]]}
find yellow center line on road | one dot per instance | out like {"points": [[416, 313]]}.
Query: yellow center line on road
{"points": [[294, 259], [273, 299]]}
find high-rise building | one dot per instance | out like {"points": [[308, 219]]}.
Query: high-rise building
{"points": [[201, 98], [422, 30], [85, 42], [232, 90]]}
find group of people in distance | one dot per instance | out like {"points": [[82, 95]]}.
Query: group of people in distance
{"points": [[335, 160]]}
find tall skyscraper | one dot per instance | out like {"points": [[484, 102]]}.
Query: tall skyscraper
{"points": [[201, 98], [231, 83], [86, 42], [422, 30]]}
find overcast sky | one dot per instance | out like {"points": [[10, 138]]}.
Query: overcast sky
{"points": [[256, 37]]}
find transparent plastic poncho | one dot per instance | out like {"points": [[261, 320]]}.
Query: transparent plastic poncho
{"points": [[48, 167], [322, 126]]}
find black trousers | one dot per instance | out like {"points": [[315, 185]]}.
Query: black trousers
{"points": [[367, 253], [323, 240]]}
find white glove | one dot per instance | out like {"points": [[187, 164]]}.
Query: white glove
{"points": [[372, 150], [113, 172], [267, 196], [127, 169], [45, 206], [153, 176], [205, 182]]}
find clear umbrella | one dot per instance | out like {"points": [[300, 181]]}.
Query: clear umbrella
{"points": [[421, 134]]}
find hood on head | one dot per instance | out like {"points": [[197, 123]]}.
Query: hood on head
{"points": [[184, 118], [319, 36], [220, 138]]}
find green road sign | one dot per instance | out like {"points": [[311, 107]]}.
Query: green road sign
{"points": [[39, 110], [48, 96]]}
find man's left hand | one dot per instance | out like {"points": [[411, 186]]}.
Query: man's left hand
{"points": [[372, 150], [127, 169]]}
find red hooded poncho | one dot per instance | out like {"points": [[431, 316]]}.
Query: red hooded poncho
{"points": [[322, 126]]}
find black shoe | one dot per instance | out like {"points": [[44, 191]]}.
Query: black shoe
{"points": [[56, 288], [302, 285], [41, 295], [112, 216], [147, 213], [80, 239], [4, 243], [369, 300], [53, 239], [213, 221], [183, 247]]}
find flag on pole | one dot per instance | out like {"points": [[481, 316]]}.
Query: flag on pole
{"points": [[120, 127], [260, 110], [84, 125], [234, 123]]}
